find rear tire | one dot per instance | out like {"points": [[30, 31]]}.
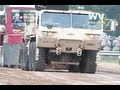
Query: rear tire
{"points": [[32, 54], [88, 63], [24, 58], [12, 66]]}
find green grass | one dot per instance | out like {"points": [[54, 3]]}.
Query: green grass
{"points": [[109, 59]]}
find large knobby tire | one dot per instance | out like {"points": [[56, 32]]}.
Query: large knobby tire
{"points": [[32, 54], [24, 58], [40, 63], [88, 63]]}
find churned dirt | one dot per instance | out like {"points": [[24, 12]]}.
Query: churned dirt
{"points": [[107, 74], [109, 67]]}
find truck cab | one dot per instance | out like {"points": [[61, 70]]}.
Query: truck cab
{"points": [[69, 37]]}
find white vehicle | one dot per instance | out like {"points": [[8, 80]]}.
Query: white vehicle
{"points": [[72, 38], [69, 37]]}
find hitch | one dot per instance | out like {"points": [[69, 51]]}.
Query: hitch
{"points": [[79, 52], [58, 50]]}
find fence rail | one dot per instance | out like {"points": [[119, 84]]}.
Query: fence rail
{"points": [[109, 56], [109, 53]]}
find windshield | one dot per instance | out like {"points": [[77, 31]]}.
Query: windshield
{"points": [[67, 20], [22, 18], [84, 21], [56, 19]]}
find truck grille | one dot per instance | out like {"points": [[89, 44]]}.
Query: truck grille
{"points": [[69, 45]]}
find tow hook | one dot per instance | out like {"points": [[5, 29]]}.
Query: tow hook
{"points": [[58, 50], [79, 52]]}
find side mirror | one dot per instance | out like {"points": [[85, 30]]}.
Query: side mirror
{"points": [[110, 25], [114, 24]]}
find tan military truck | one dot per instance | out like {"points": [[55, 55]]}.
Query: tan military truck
{"points": [[70, 38]]}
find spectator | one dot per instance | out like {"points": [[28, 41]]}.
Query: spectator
{"points": [[116, 44]]}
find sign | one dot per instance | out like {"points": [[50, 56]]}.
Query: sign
{"points": [[95, 18]]}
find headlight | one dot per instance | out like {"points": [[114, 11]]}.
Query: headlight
{"points": [[48, 34], [91, 36], [97, 36], [45, 34]]}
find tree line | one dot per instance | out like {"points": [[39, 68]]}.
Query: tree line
{"points": [[111, 11]]}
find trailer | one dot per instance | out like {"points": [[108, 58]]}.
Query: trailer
{"points": [[17, 19]]}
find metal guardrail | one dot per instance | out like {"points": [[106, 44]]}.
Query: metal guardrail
{"points": [[109, 53]]}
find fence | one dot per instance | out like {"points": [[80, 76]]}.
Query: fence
{"points": [[109, 56]]}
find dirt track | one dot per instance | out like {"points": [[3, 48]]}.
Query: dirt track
{"points": [[106, 75]]}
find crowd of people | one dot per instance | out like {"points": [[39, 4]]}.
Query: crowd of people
{"points": [[110, 43]]}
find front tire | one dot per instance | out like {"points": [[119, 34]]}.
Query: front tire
{"points": [[88, 63], [40, 63]]}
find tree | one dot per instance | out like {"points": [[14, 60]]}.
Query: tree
{"points": [[111, 11], [1, 7]]}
